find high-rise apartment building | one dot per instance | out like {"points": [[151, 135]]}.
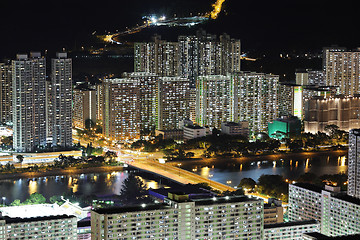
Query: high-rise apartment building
{"points": [[215, 100], [5, 93], [61, 93], [121, 111], [29, 102], [149, 94], [174, 97], [189, 57], [84, 106], [342, 69], [354, 163], [212, 218], [338, 213], [257, 99], [159, 57]]}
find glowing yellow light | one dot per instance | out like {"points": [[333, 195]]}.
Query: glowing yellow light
{"points": [[32, 187], [217, 9]]}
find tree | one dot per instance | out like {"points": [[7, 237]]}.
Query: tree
{"points": [[133, 190], [35, 198], [247, 183], [20, 158], [110, 156], [16, 202]]}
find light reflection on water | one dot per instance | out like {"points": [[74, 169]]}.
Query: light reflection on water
{"points": [[289, 168], [84, 184]]}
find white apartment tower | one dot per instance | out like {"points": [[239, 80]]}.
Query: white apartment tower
{"points": [[29, 102], [257, 99], [5, 93], [121, 111], [342, 69], [174, 97], [215, 100], [354, 163], [61, 87]]}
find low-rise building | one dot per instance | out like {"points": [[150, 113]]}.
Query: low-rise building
{"points": [[175, 134], [273, 212], [233, 128], [284, 126], [45, 228], [194, 131], [290, 230]]}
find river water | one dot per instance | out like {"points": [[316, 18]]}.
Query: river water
{"points": [[227, 171]]}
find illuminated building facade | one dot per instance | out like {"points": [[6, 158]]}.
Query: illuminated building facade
{"points": [[159, 57], [29, 102], [215, 100], [189, 57], [286, 99], [354, 163], [122, 109], [338, 213], [342, 69], [257, 99], [149, 93], [61, 87], [339, 110], [290, 230], [5, 93], [213, 218], [84, 106], [174, 97], [46, 228]]}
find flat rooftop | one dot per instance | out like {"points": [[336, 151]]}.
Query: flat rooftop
{"points": [[222, 200], [309, 186], [290, 224], [35, 219], [130, 209]]}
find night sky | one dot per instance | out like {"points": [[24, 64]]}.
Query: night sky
{"points": [[262, 25]]}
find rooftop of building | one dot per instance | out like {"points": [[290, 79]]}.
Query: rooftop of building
{"points": [[347, 198], [231, 124], [290, 224], [9, 220], [309, 186], [194, 127], [224, 200], [320, 236], [130, 209], [185, 189]]}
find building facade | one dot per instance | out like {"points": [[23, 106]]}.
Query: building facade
{"points": [[47, 228], [29, 102], [61, 87], [173, 102], [121, 112], [342, 69], [354, 163], [339, 110], [215, 100], [257, 99], [214, 218], [5, 93], [84, 106], [290, 230]]}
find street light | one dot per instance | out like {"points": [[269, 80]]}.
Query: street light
{"points": [[4, 198], [179, 165]]}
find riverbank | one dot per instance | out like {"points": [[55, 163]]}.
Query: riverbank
{"points": [[59, 172], [255, 158]]}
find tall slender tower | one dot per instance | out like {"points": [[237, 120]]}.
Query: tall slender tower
{"points": [[61, 89], [5, 93], [354, 163], [29, 102]]}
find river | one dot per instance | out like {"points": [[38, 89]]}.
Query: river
{"points": [[227, 171]]}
